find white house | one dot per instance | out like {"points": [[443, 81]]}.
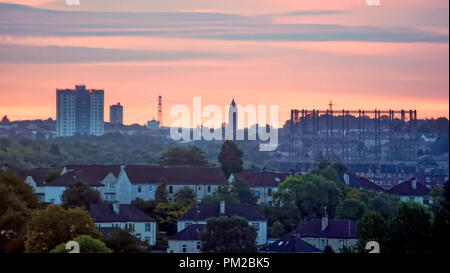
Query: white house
{"points": [[411, 190], [36, 179], [142, 181], [263, 184], [125, 216], [54, 189], [187, 240], [199, 213]]}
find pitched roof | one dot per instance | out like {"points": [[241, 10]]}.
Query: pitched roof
{"points": [[364, 183], [337, 228], [38, 175], [261, 179], [190, 233], [94, 173], [104, 213], [71, 177], [291, 244], [202, 212], [179, 175], [406, 188]]}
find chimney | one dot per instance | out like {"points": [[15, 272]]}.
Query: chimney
{"points": [[222, 207], [325, 220], [346, 178], [116, 207], [413, 183]]}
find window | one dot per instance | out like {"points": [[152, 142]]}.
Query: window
{"points": [[139, 189], [341, 243], [198, 244], [148, 226], [257, 193], [187, 224], [269, 192], [150, 188], [209, 188], [170, 189], [184, 249], [199, 188]]}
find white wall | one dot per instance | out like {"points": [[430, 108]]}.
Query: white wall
{"points": [[177, 246]]}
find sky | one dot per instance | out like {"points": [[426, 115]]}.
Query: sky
{"points": [[294, 54]]}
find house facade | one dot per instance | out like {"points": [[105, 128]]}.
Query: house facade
{"points": [[199, 213], [263, 184], [125, 216], [336, 233], [411, 190], [187, 240]]}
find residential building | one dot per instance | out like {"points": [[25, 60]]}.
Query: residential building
{"points": [[290, 244], [116, 114], [93, 174], [336, 233], [187, 240], [153, 124], [36, 179], [79, 111], [411, 190], [199, 213], [54, 189], [142, 181], [361, 183], [125, 217], [263, 184]]}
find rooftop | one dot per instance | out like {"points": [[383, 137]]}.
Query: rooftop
{"points": [[104, 213], [202, 212]]}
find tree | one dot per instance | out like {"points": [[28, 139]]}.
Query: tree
{"points": [[372, 227], [54, 225], [230, 158], [79, 194], [87, 245], [411, 229], [122, 241], [351, 208], [223, 193], [186, 196], [161, 193], [179, 156], [277, 229], [244, 193], [228, 235], [441, 226], [328, 249], [146, 206], [17, 202], [167, 214], [308, 194]]}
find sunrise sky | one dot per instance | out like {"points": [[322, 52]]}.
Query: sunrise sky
{"points": [[290, 53]]}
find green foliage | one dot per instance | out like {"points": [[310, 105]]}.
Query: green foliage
{"points": [[351, 209], [277, 229], [79, 194], [122, 241], [17, 202], [243, 192], [179, 156], [230, 158], [87, 245], [54, 225], [161, 194], [186, 196], [411, 229], [51, 174], [146, 206], [309, 194], [328, 249], [228, 235], [223, 193], [441, 226], [167, 214], [372, 227]]}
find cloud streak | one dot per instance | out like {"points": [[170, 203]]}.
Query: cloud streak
{"points": [[24, 21]]}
